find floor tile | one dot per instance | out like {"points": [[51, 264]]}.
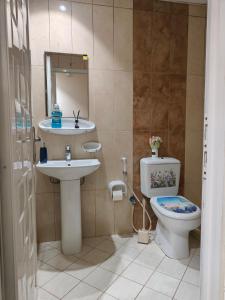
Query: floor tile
{"points": [[60, 285], [96, 256], [80, 269], [61, 262], [128, 252], [162, 283], [83, 292], [187, 291], [56, 244], [150, 258], [43, 295], [100, 279], [147, 294], [122, 238], [84, 251], [93, 242], [124, 289], [195, 262], [137, 273], [106, 297], [172, 267], [109, 246], [44, 247], [45, 273], [48, 254], [192, 276], [115, 264]]}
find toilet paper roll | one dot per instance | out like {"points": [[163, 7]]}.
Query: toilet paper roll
{"points": [[117, 195]]}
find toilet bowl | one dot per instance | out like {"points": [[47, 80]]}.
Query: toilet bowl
{"points": [[177, 216]]}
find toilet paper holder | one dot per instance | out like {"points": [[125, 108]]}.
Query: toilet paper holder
{"points": [[117, 185]]}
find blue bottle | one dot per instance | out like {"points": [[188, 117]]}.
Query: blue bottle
{"points": [[56, 117], [43, 154]]}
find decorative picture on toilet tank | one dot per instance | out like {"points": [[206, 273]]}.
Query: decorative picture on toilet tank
{"points": [[162, 179]]}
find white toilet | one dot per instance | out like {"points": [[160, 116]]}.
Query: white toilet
{"points": [[177, 216]]}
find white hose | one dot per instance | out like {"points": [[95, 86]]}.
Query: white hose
{"points": [[141, 204]]}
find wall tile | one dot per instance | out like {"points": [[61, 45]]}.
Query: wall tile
{"points": [[39, 31], [123, 116], [103, 2], [83, 1], [143, 4], [123, 215], [60, 26], [88, 213], [123, 39], [123, 3], [198, 10], [82, 30], [196, 50], [104, 213], [103, 37]]}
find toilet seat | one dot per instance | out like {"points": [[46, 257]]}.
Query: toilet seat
{"points": [[176, 207]]}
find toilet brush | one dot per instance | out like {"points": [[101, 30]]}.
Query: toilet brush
{"points": [[143, 234]]}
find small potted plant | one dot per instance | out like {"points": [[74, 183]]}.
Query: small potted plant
{"points": [[155, 142]]}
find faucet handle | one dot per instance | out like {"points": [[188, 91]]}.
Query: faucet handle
{"points": [[68, 147]]}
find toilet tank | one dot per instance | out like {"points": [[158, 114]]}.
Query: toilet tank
{"points": [[159, 176]]}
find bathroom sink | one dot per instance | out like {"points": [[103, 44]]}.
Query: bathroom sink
{"points": [[69, 173], [68, 126], [72, 170]]}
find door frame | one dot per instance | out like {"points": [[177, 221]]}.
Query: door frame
{"points": [[213, 204]]}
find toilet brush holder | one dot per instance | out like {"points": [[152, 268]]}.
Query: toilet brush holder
{"points": [[143, 234]]}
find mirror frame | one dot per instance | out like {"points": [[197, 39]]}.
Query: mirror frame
{"points": [[46, 53]]}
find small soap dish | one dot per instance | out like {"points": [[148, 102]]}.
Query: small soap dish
{"points": [[91, 147]]}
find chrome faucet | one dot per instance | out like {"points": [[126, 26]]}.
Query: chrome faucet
{"points": [[68, 154]]}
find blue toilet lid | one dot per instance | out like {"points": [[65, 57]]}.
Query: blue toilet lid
{"points": [[177, 204]]}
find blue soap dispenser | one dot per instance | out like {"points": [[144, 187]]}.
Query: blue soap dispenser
{"points": [[56, 117], [43, 154]]}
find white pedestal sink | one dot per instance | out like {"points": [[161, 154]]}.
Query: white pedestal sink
{"points": [[69, 174]]}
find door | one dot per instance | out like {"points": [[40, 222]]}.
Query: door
{"points": [[16, 154]]}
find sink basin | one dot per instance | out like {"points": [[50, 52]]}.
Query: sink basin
{"points": [[63, 170], [68, 126], [69, 174]]}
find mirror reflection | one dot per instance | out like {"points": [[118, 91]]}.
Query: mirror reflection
{"points": [[67, 83]]}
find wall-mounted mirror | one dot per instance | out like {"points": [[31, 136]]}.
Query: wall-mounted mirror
{"points": [[66, 83]]}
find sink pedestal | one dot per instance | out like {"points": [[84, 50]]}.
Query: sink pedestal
{"points": [[71, 217]]}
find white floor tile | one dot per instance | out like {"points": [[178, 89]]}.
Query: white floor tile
{"points": [[192, 276], [122, 238], [45, 273], [115, 264], [124, 289], [128, 252], [150, 258], [187, 291], [93, 242], [44, 246], [48, 254], [109, 246], [195, 262], [80, 269], [60, 285], [172, 267], [61, 262], [163, 284], [84, 251], [137, 273], [83, 292], [56, 244], [106, 297], [100, 279], [96, 256], [147, 294], [43, 295]]}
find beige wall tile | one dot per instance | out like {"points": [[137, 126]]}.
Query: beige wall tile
{"points": [[123, 39], [42, 182], [123, 3], [60, 26], [83, 1], [196, 45], [88, 213], [82, 31], [103, 2], [39, 31], [103, 37], [104, 213], [38, 93], [123, 101], [198, 10], [123, 217], [193, 192]]}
